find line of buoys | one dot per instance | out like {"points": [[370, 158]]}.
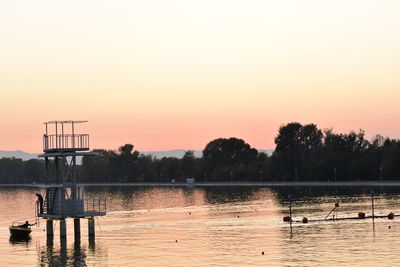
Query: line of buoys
{"points": [[287, 219], [361, 215]]}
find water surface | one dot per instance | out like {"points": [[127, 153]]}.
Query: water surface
{"points": [[221, 226]]}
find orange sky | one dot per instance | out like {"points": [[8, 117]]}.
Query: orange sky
{"points": [[177, 74]]}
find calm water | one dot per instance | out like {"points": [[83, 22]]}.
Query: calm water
{"points": [[212, 227]]}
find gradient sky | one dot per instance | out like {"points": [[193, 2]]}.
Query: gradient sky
{"points": [[179, 73]]}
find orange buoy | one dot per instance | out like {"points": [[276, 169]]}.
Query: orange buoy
{"points": [[391, 216], [287, 219], [361, 215], [305, 220]]}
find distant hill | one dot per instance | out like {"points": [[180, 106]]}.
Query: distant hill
{"points": [[176, 153], [267, 151], [17, 154]]}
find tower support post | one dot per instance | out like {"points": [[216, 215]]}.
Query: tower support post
{"points": [[77, 229], [63, 228], [91, 227], [49, 228]]}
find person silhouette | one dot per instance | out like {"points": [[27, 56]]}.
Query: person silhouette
{"points": [[40, 201], [26, 225]]}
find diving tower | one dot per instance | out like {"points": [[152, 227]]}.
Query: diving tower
{"points": [[64, 196]]}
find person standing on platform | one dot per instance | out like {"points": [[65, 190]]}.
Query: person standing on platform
{"points": [[40, 202]]}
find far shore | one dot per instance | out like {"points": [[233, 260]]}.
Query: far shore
{"points": [[231, 184]]}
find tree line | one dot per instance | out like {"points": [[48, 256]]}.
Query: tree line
{"points": [[302, 153]]}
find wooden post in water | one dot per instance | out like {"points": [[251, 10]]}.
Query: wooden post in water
{"points": [[372, 205], [290, 216]]}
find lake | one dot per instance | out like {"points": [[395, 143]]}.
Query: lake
{"points": [[212, 226]]}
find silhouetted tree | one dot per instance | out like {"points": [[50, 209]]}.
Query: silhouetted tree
{"points": [[302, 152], [97, 168], [168, 169], [296, 147], [13, 170], [391, 159], [188, 164], [123, 165], [222, 157]]}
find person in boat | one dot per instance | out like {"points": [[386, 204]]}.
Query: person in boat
{"points": [[40, 202], [26, 225]]}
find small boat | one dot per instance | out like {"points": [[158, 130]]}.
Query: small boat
{"points": [[19, 232]]}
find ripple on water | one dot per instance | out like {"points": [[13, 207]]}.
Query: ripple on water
{"points": [[194, 227]]}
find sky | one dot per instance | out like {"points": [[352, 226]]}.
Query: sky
{"points": [[179, 73]]}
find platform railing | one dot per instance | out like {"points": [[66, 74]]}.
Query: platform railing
{"points": [[69, 208], [54, 142], [66, 208], [96, 206]]}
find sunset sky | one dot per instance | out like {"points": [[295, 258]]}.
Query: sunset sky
{"points": [[169, 74]]}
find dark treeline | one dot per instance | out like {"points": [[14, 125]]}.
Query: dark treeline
{"points": [[303, 152], [17, 171]]}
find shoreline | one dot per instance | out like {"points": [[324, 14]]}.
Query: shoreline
{"points": [[232, 184]]}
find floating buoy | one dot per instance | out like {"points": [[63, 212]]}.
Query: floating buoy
{"points": [[287, 219], [305, 220], [391, 216], [389, 227], [337, 204], [262, 253], [238, 216], [176, 240], [361, 215]]}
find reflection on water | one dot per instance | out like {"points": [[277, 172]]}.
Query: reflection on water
{"points": [[63, 255], [220, 226], [20, 241]]}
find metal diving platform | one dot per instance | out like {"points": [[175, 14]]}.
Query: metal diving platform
{"points": [[64, 197]]}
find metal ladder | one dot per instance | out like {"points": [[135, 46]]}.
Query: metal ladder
{"points": [[49, 203], [37, 221]]}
